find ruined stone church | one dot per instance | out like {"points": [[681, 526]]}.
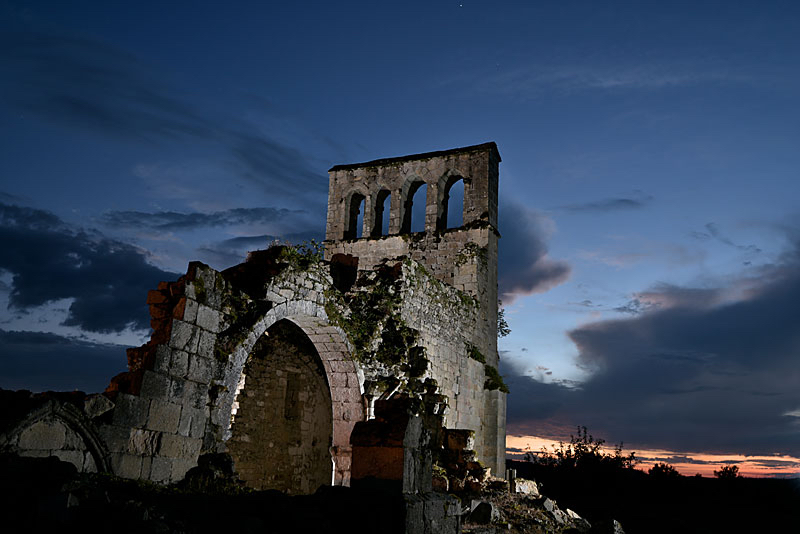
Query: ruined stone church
{"points": [[286, 361]]}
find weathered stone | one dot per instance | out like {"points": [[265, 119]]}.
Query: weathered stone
{"points": [[195, 394], [208, 318], [155, 386], [89, 464], [180, 467], [578, 523], [130, 410], [199, 369], [180, 363], [161, 469], [482, 513], [126, 465], [74, 457], [521, 485], [164, 416], [184, 336], [163, 359], [190, 311], [43, 435], [97, 405], [144, 442], [205, 347], [115, 437], [172, 446], [459, 440]]}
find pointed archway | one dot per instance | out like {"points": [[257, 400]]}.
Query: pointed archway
{"points": [[299, 390]]}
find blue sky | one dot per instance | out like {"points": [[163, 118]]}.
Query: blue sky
{"points": [[649, 197]]}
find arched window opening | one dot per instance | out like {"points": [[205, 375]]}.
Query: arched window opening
{"points": [[452, 214], [414, 220], [355, 217], [382, 209]]}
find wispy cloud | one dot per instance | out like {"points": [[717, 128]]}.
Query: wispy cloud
{"points": [[637, 201], [94, 86], [716, 233], [530, 80], [171, 220]]}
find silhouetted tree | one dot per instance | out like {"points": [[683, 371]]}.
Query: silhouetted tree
{"points": [[663, 470], [728, 472], [584, 452]]}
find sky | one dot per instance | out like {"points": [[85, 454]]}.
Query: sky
{"points": [[649, 197]]}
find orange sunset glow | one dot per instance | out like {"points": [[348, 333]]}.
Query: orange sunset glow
{"points": [[688, 463]]}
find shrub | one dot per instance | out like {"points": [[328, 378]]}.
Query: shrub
{"points": [[728, 472], [663, 470]]}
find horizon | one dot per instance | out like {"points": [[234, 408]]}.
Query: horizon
{"points": [[650, 253]]}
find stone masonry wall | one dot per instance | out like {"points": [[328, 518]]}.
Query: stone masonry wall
{"points": [[281, 432], [183, 403], [449, 324], [464, 258], [158, 428], [56, 424]]}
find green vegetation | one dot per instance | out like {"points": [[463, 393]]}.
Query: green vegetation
{"points": [[472, 251], [502, 326], [370, 316], [302, 255], [475, 354], [493, 379], [200, 290]]}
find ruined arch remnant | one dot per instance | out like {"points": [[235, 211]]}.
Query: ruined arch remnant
{"points": [[282, 360]]}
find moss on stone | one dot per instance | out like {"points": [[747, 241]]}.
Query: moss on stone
{"points": [[493, 379], [474, 353], [241, 313], [303, 255], [370, 317], [200, 290], [472, 251]]}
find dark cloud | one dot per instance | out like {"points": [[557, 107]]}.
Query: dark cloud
{"points": [[171, 220], [42, 361], [716, 378], [678, 459], [49, 260], [776, 464], [610, 204], [524, 266], [91, 85]]}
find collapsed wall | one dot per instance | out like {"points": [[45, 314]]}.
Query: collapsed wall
{"points": [[276, 360]]}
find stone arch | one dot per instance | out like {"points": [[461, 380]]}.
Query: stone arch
{"points": [[352, 207], [410, 187], [445, 184], [378, 211], [62, 430], [344, 378]]}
